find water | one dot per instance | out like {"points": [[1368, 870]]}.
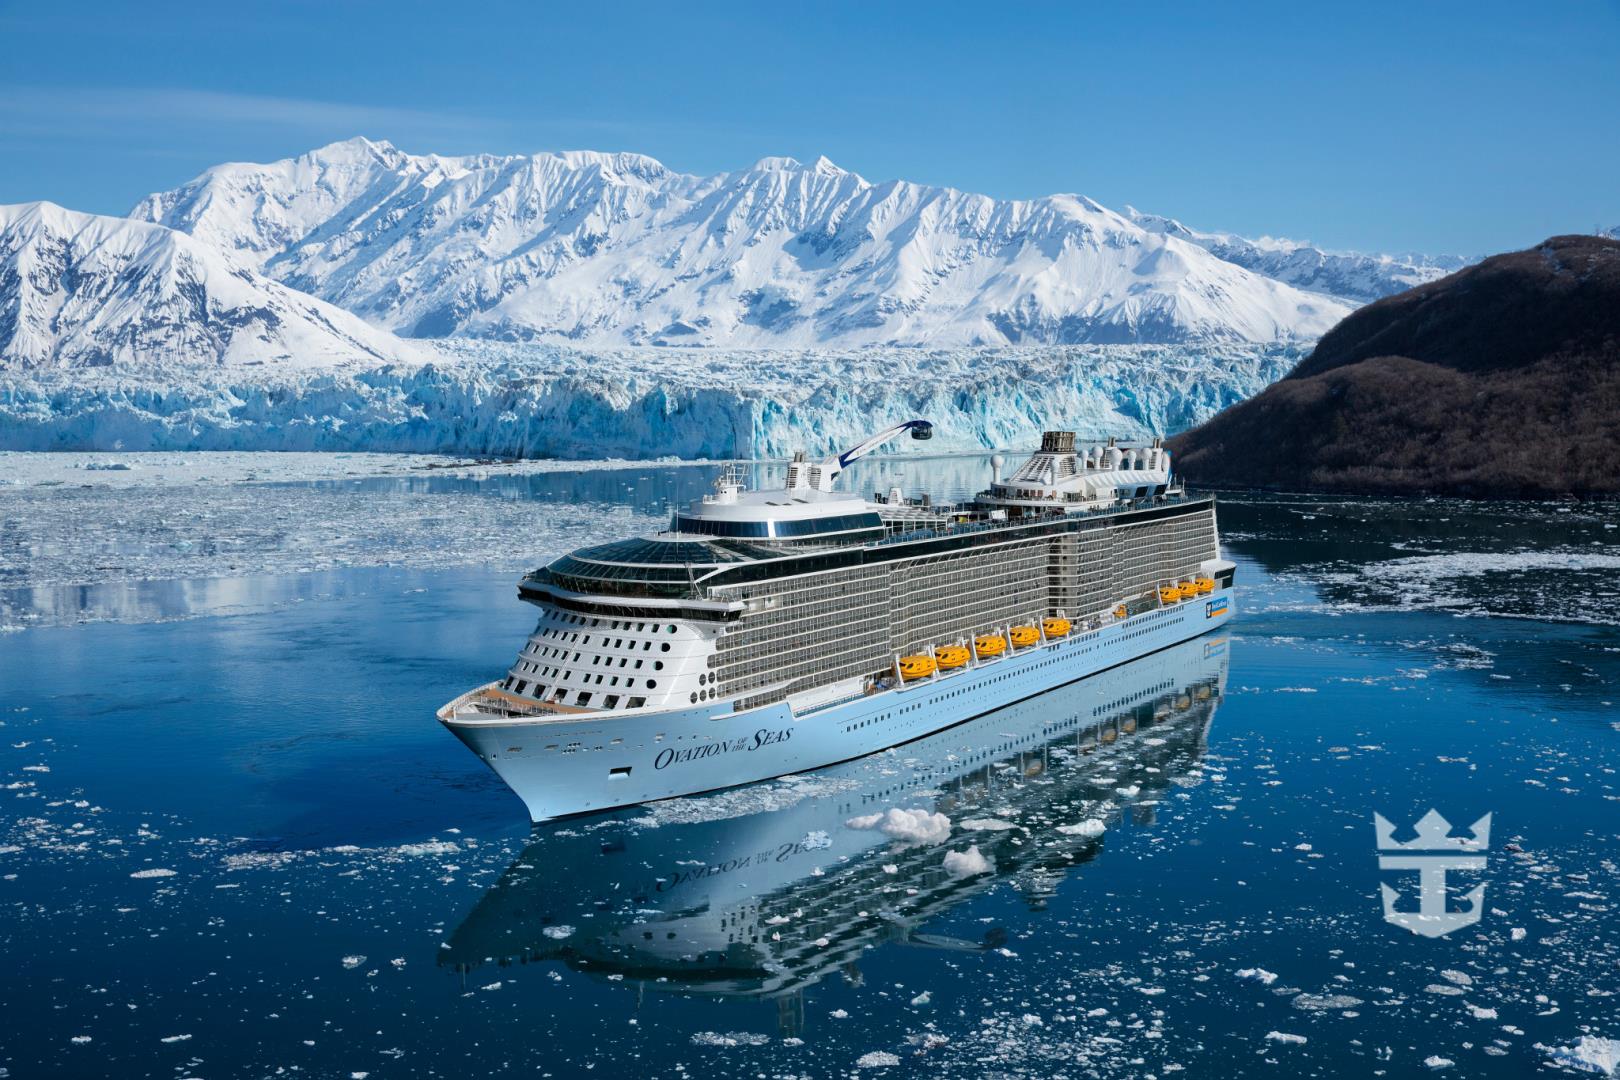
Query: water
{"points": [[238, 845]]}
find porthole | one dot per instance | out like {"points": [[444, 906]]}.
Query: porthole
{"points": [[665, 646]]}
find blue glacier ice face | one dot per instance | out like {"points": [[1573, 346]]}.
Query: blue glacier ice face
{"points": [[542, 401]]}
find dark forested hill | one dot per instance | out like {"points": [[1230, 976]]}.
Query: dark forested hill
{"points": [[1501, 380]]}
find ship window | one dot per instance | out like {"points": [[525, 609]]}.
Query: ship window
{"points": [[636, 703], [671, 629], [658, 665], [611, 702], [665, 646], [694, 697], [521, 684], [584, 698], [621, 773], [652, 684]]}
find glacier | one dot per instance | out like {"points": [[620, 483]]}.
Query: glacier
{"points": [[542, 401]]}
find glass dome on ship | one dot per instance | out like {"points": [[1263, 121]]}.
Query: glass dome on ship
{"points": [[769, 632]]}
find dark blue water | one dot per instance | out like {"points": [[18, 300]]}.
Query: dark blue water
{"points": [[331, 885]]}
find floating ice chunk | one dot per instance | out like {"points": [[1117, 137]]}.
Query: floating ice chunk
{"points": [[816, 841], [80, 1040], [557, 933], [1435, 1061], [1518, 933], [353, 961], [967, 863], [1481, 1013], [877, 1059], [1089, 827], [1259, 975], [987, 824], [1461, 978], [174, 1038], [923, 998], [1285, 1037], [155, 872], [1325, 1002], [839, 1014], [729, 1038], [908, 826], [1590, 1054]]}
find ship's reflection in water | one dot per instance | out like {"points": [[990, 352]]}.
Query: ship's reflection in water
{"points": [[768, 889]]}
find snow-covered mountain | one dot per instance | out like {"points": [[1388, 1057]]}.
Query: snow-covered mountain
{"points": [[1352, 277], [614, 249], [81, 290]]}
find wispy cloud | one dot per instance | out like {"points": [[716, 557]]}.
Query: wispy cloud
{"points": [[70, 113]]}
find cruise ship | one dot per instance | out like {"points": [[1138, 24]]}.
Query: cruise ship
{"points": [[776, 631], [762, 897]]}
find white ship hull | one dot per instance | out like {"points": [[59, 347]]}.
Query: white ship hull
{"points": [[577, 763]]}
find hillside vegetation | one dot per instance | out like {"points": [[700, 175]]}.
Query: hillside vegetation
{"points": [[1499, 381]]}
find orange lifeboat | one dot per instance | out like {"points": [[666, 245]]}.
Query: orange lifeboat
{"points": [[1205, 585], [1120, 612], [988, 645], [951, 657], [1169, 594], [916, 667], [1025, 636], [1056, 627]]}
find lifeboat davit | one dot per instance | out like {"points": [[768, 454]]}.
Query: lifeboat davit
{"points": [[1025, 636], [951, 657], [1055, 627], [1205, 585], [916, 667], [988, 645]]}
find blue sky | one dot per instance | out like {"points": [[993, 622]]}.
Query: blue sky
{"points": [[1428, 126]]}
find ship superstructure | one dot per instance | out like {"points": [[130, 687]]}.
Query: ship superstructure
{"points": [[766, 632]]}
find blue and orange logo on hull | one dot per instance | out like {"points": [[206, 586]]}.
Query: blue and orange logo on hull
{"points": [[1216, 607]]}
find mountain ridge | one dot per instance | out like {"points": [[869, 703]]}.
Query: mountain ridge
{"points": [[88, 290], [592, 248]]}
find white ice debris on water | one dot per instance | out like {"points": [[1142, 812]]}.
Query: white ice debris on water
{"points": [[1089, 827], [1257, 974], [1435, 1061], [1285, 1037], [354, 961], [877, 1059], [729, 1038], [1590, 1053], [967, 863], [990, 824], [155, 872], [907, 826], [558, 932]]}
